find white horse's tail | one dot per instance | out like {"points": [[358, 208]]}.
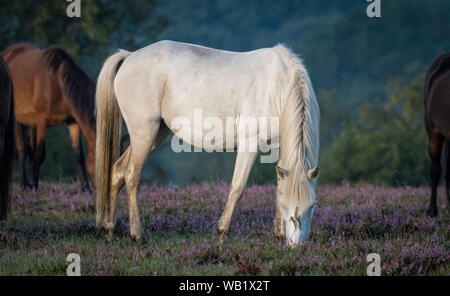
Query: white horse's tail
{"points": [[109, 124]]}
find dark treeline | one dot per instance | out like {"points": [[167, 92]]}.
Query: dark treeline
{"points": [[367, 73]]}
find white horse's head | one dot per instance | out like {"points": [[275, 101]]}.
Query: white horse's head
{"points": [[297, 198]]}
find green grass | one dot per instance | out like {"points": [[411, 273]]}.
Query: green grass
{"points": [[179, 226]]}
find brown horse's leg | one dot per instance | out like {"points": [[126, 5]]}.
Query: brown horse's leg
{"points": [[19, 136], [436, 141], [30, 146], [39, 154], [31, 143], [75, 137]]}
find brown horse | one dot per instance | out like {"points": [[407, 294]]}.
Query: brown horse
{"points": [[6, 139], [50, 89], [437, 123]]}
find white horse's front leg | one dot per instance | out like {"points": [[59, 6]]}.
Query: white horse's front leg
{"points": [[278, 223], [242, 168]]}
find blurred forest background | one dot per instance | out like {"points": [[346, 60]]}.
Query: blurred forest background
{"points": [[368, 73]]}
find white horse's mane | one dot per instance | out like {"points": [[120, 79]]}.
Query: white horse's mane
{"points": [[299, 124]]}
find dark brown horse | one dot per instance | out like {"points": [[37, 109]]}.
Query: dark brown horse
{"points": [[6, 139], [50, 89], [437, 123]]}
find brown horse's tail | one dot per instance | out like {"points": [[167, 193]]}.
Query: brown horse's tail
{"points": [[6, 162], [109, 124]]}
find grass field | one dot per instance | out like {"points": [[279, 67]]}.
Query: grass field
{"points": [[179, 225]]}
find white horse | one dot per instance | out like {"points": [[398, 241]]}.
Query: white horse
{"points": [[166, 80]]}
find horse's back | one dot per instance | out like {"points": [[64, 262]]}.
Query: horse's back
{"points": [[24, 61], [182, 49], [439, 66], [18, 49], [184, 75], [177, 58], [36, 85]]}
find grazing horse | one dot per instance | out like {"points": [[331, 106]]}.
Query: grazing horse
{"points": [[437, 123], [50, 89], [156, 86], [6, 139]]}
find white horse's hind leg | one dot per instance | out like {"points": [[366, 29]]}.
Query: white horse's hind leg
{"points": [[242, 168], [117, 181], [142, 142]]}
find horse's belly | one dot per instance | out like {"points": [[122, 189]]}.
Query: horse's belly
{"points": [[212, 122], [31, 118], [55, 119], [26, 118], [212, 133]]}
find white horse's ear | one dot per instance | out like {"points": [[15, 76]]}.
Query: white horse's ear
{"points": [[313, 173], [282, 172]]}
